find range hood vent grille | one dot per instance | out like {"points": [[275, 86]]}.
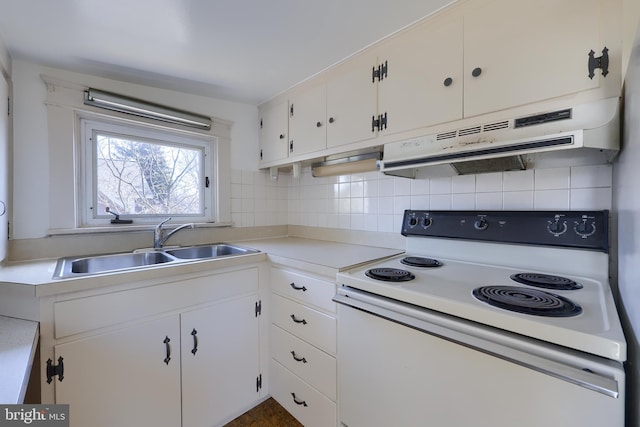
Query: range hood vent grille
{"points": [[446, 135], [469, 131], [495, 126]]}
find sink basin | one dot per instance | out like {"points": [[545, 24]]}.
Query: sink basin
{"points": [[104, 263], [83, 266], [209, 251]]}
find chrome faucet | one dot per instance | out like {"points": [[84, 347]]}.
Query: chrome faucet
{"points": [[158, 234]]}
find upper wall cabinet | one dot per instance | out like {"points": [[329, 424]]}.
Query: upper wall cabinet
{"points": [[518, 52], [422, 80], [351, 101], [273, 132], [475, 58]]}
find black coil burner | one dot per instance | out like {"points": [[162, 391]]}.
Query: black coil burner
{"points": [[527, 301], [546, 281], [416, 261], [390, 274]]}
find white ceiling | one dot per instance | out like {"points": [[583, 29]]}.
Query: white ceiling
{"points": [[241, 50]]}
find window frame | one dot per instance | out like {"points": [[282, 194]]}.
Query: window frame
{"points": [[87, 168]]}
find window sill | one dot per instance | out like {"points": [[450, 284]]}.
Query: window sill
{"points": [[126, 228]]}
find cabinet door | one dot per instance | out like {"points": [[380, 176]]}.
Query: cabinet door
{"points": [[307, 121], [352, 101], [4, 169], [528, 51], [219, 378], [121, 378], [423, 85], [273, 132]]}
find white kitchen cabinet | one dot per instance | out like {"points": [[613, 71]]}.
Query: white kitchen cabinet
{"points": [[303, 346], [523, 52], [120, 378], [220, 361], [4, 169], [128, 354], [274, 131], [307, 120], [474, 58], [352, 101], [423, 85]]}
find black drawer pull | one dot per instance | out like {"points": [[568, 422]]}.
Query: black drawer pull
{"points": [[298, 288], [293, 317], [298, 402], [298, 359]]}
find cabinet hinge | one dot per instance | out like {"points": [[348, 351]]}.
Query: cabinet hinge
{"points": [[380, 73], [258, 308], [207, 182], [291, 146], [379, 123], [261, 124], [291, 110], [260, 154], [53, 370], [258, 382], [601, 62]]}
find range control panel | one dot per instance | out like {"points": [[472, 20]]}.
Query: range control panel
{"points": [[575, 229]]}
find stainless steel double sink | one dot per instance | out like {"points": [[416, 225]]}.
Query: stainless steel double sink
{"points": [[87, 265]]}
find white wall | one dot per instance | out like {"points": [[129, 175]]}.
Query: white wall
{"points": [[627, 207], [31, 146]]}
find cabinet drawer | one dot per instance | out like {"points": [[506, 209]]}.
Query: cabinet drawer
{"points": [[312, 365], [306, 289], [312, 326], [85, 314], [305, 403]]}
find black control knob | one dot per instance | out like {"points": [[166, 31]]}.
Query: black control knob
{"points": [[584, 228], [427, 222], [557, 227], [413, 221], [481, 224]]}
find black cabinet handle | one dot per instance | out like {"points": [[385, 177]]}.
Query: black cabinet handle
{"points": [[282, 136], [298, 288], [194, 334], [298, 359], [293, 317], [476, 72], [298, 402], [331, 120], [168, 350], [448, 81]]}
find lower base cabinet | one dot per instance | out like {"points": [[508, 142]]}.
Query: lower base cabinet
{"points": [[220, 359], [121, 378], [197, 366]]}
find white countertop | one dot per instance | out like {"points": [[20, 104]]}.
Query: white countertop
{"points": [[318, 256], [18, 341]]}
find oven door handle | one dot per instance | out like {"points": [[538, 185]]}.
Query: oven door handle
{"points": [[449, 328]]}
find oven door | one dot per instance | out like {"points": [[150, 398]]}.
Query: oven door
{"points": [[406, 366]]}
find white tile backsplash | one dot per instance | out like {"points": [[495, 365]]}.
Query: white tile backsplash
{"points": [[552, 179], [376, 202]]}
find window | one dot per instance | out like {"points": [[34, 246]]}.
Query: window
{"points": [[144, 174]]}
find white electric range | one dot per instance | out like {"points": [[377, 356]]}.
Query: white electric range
{"points": [[527, 288]]}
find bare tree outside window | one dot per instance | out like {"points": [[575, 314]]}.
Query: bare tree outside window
{"points": [[147, 178]]}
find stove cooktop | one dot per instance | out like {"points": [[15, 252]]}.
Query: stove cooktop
{"points": [[565, 290]]}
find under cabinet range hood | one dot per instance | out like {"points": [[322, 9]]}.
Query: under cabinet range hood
{"points": [[579, 135]]}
